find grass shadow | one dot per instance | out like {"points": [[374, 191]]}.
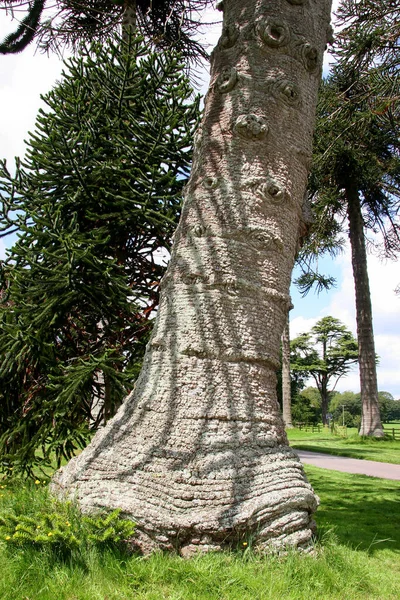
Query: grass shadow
{"points": [[363, 512], [352, 452]]}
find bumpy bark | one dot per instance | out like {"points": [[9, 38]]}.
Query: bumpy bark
{"points": [[198, 454], [286, 387], [370, 419]]}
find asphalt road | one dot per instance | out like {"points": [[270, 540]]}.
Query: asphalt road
{"points": [[350, 465]]}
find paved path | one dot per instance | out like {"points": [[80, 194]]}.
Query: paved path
{"points": [[350, 465]]}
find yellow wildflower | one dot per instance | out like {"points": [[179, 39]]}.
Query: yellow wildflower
{"points": [[37, 481], [244, 543], [8, 537], [49, 534]]}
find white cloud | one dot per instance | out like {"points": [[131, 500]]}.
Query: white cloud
{"points": [[300, 325], [383, 277], [208, 35], [2, 250], [23, 78], [341, 304]]}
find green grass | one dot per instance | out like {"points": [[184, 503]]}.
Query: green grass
{"points": [[353, 446], [357, 557]]}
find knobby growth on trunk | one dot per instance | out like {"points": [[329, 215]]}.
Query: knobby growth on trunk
{"points": [[198, 454]]}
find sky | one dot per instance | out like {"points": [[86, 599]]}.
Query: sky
{"points": [[25, 76]]}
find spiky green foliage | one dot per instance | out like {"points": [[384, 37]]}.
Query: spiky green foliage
{"points": [[326, 354], [368, 35], [357, 133], [24, 34], [97, 195], [165, 24], [60, 527], [354, 143]]}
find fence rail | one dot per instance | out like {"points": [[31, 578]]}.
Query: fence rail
{"points": [[394, 432], [308, 427]]}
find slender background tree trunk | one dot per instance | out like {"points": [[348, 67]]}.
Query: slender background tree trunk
{"points": [[370, 419], [198, 454], [324, 400], [129, 20], [324, 385]]}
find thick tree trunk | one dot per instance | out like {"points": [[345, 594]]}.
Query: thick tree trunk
{"points": [[370, 420], [286, 383], [198, 454]]}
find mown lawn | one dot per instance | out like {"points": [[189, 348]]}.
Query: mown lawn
{"points": [[357, 556], [353, 446]]}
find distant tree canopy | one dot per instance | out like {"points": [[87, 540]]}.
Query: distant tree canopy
{"points": [[326, 354], [97, 195], [306, 407], [350, 402]]}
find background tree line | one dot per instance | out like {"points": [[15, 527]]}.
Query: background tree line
{"points": [[306, 407], [325, 354]]}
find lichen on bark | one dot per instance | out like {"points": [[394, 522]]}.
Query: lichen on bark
{"points": [[198, 455]]}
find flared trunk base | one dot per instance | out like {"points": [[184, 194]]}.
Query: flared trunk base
{"points": [[371, 431], [216, 502]]}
